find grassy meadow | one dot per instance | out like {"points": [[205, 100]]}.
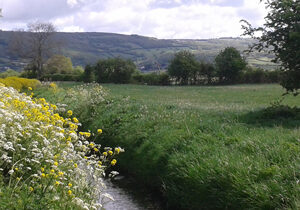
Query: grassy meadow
{"points": [[220, 147]]}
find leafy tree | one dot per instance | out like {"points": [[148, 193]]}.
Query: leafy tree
{"points": [[183, 66], [59, 64], [116, 70], [280, 34], [37, 44], [229, 63], [78, 70], [88, 75], [207, 70]]}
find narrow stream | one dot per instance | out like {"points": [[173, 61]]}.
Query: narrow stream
{"points": [[128, 198]]}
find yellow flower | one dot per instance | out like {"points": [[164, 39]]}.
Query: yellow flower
{"points": [[69, 113], [99, 131], [85, 157], [105, 153], [18, 179], [96, 150], [42, 169], [56, 163], [69, 192], [91, 144], [110, 152], [99, 162], [113, 162], [70, 185], [60, 173], [75, 120], [52, 171], [29, 88], [16, 169], [117, 150], [30, 189], [87, 134], [75, 165], [57, 183], [43, 175]]}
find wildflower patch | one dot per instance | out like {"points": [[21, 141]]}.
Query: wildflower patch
{"points": [[44, 161]]}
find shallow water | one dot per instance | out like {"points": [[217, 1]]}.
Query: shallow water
{"points": [[127, 198]]}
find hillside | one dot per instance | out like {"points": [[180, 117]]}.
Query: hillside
{"points": [[147, 52]]}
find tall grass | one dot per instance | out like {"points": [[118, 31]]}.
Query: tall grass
{"points": [[206, 147]]}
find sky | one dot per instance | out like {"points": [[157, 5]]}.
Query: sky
{"points": [[164, 19]]}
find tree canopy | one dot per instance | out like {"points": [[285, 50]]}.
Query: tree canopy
{"points": [[116, 70], [59, 64], [183, 66], [229, 64], [280, 34]]}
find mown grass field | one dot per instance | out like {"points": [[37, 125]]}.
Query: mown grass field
{"points": [[205, 147]]}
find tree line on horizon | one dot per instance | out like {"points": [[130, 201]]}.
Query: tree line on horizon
{"points": [[280, 34]]}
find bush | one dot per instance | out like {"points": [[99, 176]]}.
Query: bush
{"points": [[61, 77], [9, 73], [152, 79], [20, 83]]}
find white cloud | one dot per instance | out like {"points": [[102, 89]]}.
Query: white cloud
{"points": [[156, 18]]}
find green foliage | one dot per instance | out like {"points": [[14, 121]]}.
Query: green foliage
{"points": [[192, 145], [229, 63], [256, 76], [183, 66], [61, 77], [88, 75], [152, 78], [281, 36], [9, 73], [114, 70], [59, 64], [78, 70]]}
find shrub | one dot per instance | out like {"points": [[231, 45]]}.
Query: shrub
{"points": [[9, 73], [20, 83], [152, 79]]}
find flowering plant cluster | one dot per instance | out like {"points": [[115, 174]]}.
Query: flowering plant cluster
{"points": [[20, 83], [44, 161]]}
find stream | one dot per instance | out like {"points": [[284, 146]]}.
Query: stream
{"points": [[128, 197]]}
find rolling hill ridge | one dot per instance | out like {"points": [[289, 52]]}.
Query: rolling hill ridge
{"points": [[148, 53]]}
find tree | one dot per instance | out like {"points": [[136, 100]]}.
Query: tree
{"points": [[116, 70], [183, 66], [280, 34], [59, 64], [207, 70], [229, 64], [88, 75], [37, 44]]}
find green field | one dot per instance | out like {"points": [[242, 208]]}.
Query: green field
{"points": [[221, 147]]}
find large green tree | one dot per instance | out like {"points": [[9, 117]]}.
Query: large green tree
{"points": [[229, 64], [183, 67], [280, 34]]}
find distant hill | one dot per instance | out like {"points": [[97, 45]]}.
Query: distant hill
{"points": [[148, 53]]}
